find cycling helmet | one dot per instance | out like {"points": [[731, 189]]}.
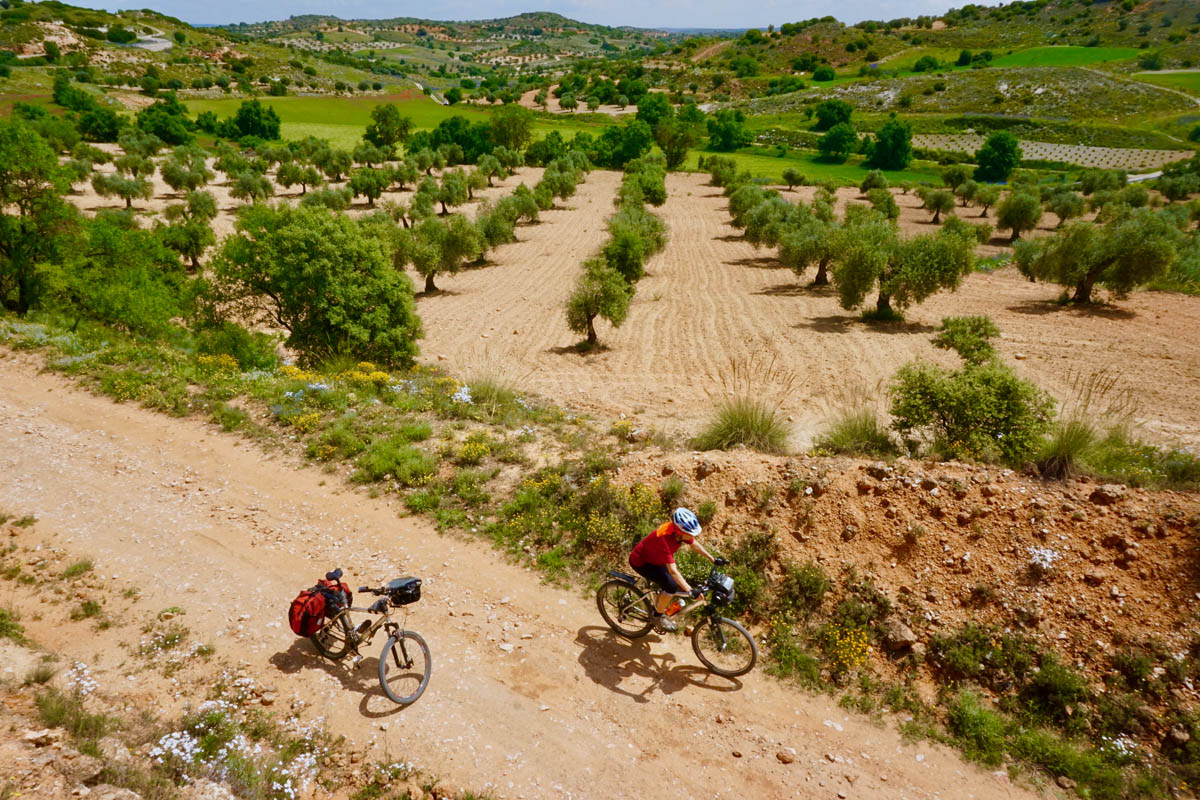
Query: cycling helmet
{"points": [[686, 521]]}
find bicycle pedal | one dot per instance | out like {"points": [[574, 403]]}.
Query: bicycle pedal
{"points": [[356, 663]]}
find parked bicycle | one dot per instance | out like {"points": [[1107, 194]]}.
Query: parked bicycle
{"points": [[724, 646], [404, 663]]}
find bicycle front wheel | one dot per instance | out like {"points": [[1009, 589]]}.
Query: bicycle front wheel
{"points": [[404, 667], [724, 646], [625, 609], [331, 641]]}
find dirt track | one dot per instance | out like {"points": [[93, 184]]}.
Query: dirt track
{"points": [[710, 300], [202, 520]]}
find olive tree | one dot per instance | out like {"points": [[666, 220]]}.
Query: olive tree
{"points": [[600, 292], [251, 187], [1131, 250], [1019, 211], [453, 190], [295, 174], [986, 196], [186, 169], [871, 254], [939, 201], [437, 247], [809, 239], [122, 186], [489, 166], [324, 278], [1066, 205], [370, 183]]}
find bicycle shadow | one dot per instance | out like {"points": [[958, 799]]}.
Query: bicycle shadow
{"points": [[373, 704], [611, 660]]}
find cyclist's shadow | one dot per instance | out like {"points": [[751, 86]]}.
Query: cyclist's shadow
{"points": [[609, 659], [364, 680]]}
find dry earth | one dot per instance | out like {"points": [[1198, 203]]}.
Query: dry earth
{"points": [[1099, 157], [202, 520], [710, 300]]}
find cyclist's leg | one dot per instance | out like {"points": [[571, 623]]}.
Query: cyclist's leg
{"points": [[660, 576]]}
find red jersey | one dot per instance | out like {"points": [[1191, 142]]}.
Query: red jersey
{"points": [[659, 547]]}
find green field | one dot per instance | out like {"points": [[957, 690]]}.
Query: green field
{"points": [[1187, 81], [1064, 56], [759, 161], [342, 120]]}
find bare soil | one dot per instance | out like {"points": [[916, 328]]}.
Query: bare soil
{"points": [[711, 301], [202, 520]]}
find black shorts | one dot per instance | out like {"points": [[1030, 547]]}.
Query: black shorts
{"points": [[659, 576]]}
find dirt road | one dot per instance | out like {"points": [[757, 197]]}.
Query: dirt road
{"points": [[207, 522]]}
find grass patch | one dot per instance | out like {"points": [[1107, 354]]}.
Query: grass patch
{"points": [[10, 625], [77, 569], [58, 709], [858, 432], [744, 421]]}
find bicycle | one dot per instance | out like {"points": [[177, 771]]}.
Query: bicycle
{"points": [[626, 602], [404, 662]]}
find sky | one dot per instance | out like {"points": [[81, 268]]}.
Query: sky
{"points": [[637, 13]]}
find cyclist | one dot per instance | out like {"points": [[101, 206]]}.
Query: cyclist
{"points": [[654, 559]]}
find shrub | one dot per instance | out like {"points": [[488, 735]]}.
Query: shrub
{"points": [[981, 411], [803, 588], [1054, 692], [857, 432], [744, 420], [980, 731], [10, 627], [394, 456]]}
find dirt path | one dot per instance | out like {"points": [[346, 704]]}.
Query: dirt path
{"points": [[711, 300], [179, 511]]}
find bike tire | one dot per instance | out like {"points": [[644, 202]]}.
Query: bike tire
{"points": [[724, 646], [404, 667], [624, 609], [331, 640]]}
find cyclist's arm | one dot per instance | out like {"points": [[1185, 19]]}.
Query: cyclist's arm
{"points": [[673, 568], [699, 548]]}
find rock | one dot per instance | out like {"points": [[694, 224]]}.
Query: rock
{"points": [[897, 635], [705, 468], [1107, 494], [864, 486], [831, 758], [1093, 578], [1020, 356], [44, 737], [962, 518], [819, 487], [1178, 736], [849, 532], [988, 490], [667, 470], [877, 470], [1064, 782], [928, 483], [204, 789], [506, 647], [737, 753], [785, 757], [267, 699], [114, 749], [919, 651], [79, 768]]}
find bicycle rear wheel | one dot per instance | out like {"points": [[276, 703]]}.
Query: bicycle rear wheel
{"points": [[331, 641], [625, 609], [404, 667], [724, 646]]}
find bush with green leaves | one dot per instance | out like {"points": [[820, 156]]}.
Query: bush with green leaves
{"points": [[838, 143], [324, 278], [980, 411], [892, 147]]}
